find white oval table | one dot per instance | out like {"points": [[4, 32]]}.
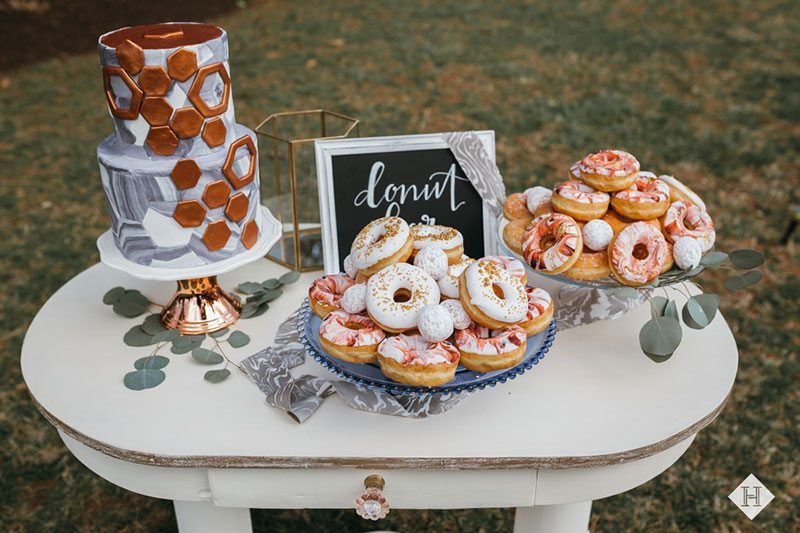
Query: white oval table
{"points": [[594, 418]]}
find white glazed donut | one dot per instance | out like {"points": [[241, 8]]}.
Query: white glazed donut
{"points": [[492, 296], [461, 320], [510, 264], [448, 284], [349, 268], [435, 323], [416, 286], [535, 197], [382, 242], [433, 261], [354, 299], [597, 234], [679, 191], [447, 239], [687, 253]]}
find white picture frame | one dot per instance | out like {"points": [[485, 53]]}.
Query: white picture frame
{"points": [[327, 149]]}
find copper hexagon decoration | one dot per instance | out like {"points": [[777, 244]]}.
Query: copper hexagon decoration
{"points": [[125, 113], [156, 110], [237, 206], [216, 235], [154, 81], [162, 140], [189, 213], [216, 194], [130, 57], [214, 132], [182, 64], [185, 174], [186, 122], [249, 234], [206, 108], [240, 181]]}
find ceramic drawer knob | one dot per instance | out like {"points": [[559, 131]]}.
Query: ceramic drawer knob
{"points": [[372, 505]]}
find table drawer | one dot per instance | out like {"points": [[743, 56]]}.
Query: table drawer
{"points": [[404, 489]]}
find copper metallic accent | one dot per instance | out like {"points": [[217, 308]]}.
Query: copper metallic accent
{"points": [[200, 306], [154, 81], [197, 86], [186, 122], [156, 110], [237, 207], [130, 57], [216, 194], [162, 36], [169, 35], [189, 213], [162, 140], [182, 64], [132, 111], [227, 168], [214, 132], [185, 174], [216, 235], [249, 234]]}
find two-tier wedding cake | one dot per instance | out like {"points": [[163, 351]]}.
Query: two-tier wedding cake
{"points": [[180, 175]]}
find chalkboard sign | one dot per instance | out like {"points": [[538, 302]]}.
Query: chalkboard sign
{"points": [[415, 177]]}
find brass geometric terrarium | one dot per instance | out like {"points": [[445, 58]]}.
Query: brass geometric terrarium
{"points": [[289, 180]]}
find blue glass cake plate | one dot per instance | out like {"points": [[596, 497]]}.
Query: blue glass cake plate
{"points": [[369, 375]]}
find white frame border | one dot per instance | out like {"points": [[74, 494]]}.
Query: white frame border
{"points": [[325, 150]]}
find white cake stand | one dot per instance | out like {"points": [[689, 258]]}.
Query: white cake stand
{"points": [[200, 305]]}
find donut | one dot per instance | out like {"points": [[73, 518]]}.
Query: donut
{"points": [[349, 337], [684, 219], [535, 197], [380, 243], [678, 192], [397, 293], [449, 240], [552, 243], [412, 360], [516, 206], [646, 198], [637, 254], [590, 265], [575, 172], [540, 311], [433, 261], [325, 293], [669, 259], [687, 253], [512, 234], [435, 323], [349, 268], [619, 222], [609, 170], [492, 296], [448, 284], [510, 264], [354, 299], [485, 350], [579, 200]]}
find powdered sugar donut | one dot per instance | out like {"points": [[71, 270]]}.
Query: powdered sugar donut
{"points": [[380, 243], [510, 264], [515, 207], [433, 261], [485, 350], [448, 284], [597, 234], [353, 338], [540, 311], [637, 254], [702, 227], [537, 196], [349, 268], [609, 170], [434, 323], [492, 296], [412, 360], [687, 253], [449, 240], [397, 293], [354, 299], [325, 293], [461, 319]]}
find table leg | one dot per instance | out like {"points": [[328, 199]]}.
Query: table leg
{"points": [[563, 518], [205, 517]]}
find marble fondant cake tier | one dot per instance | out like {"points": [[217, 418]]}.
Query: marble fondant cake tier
{"points": [[168, 88], [182, 212]]}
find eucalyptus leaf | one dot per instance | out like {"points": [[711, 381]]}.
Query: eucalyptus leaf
{"points": [[152, 324], [248, 310], [215, 376], [626, 292], [137, 337], [693, 272], [114, 295], [153, 362], [657, 306], [168, 335], [206, 356], [145, 378], [660, 336], [130, 308], [261, 310], [249, 287], [271, 283], [741, 281], [265, 296], [671, 311], [219, 333], [238, 339], [289, 277], [700, 310], [712, 259], [746, 258], [180, 350], [657, 358]]}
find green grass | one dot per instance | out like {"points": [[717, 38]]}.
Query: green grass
{"points": [[709, 93]]}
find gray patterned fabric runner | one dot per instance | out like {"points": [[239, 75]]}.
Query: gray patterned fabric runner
{"points": [[578, 306], [479, 167], [300, 397]]}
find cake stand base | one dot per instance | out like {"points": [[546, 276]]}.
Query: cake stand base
{"points": [[200, 306]]}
